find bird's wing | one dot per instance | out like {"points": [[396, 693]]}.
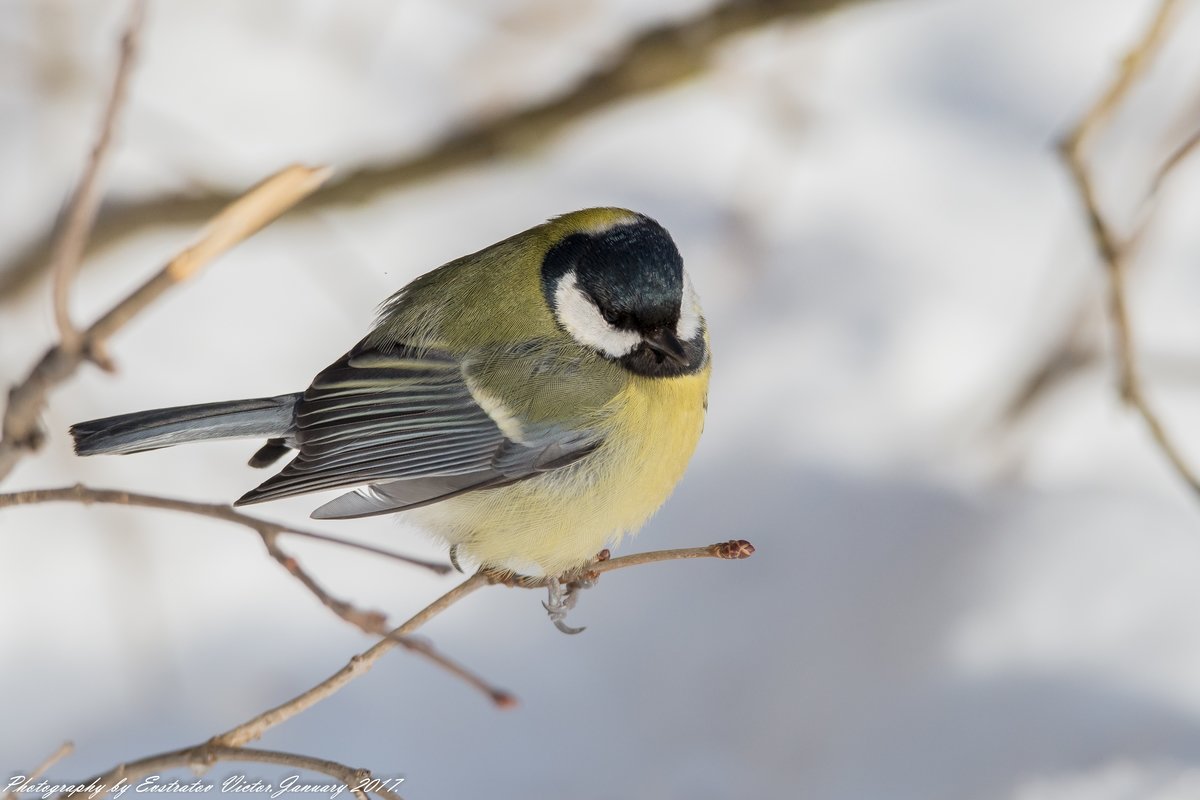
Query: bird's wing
{"points": [[414, 422]]}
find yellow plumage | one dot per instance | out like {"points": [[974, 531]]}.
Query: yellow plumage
{"points": [[560, 520]]}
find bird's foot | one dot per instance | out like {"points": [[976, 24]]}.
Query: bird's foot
{"points": [[562, 599], [506, 577], [454, 559], [563, 590]]}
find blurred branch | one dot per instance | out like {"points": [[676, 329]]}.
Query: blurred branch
{"points": [[65, 749], [1177, 157], [653, 60], [204, 756], [252, 729], [1072, 353], [85, 201], [1075, 350], [1112, 251], [240, 219]]}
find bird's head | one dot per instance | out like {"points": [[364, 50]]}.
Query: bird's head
{"points": [[615, 282]]}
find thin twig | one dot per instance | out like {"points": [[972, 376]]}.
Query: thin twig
{"points": [[202, 757], [85, 201], [1072, 353], [370, 622], [651, 61], [253, 728], [366, 621], [1133, 66], [375, 623], [242, 218], [65, 749], [499, 697], [1112, 251], [87, 495], [732, 550], [1177, 157], [359, 664]]}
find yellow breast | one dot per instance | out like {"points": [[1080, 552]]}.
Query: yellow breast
{"points": [[560, 520]]}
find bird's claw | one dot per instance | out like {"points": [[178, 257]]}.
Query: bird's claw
{"points": [[561, 601]]}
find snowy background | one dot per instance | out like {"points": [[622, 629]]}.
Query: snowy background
{"points": [[948, 601]]}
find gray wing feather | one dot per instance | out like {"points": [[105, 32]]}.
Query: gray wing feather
{"points": [[388, 498], [406, 428], [518, 463]]}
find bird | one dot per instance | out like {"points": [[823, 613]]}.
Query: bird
{"points": [[529, 404]]}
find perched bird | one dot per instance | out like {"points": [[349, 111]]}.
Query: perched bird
{"points": [[529, 403]]}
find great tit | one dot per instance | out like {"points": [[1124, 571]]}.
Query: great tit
{"points": [[530, 403]]}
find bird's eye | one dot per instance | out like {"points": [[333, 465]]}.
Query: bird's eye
{"points": [[614, 318]]}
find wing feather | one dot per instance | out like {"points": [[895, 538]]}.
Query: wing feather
{"points": [[406, 426]]}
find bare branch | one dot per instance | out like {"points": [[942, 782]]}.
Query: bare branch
{"points": [[358, 665], [1073, 352], [253, 728], [1132, 67], [499, 697], [203, 757], [87, 495], [370, 622], [366, 621], [1176, 158], [1111, 249], [242, 218], [65, 749], [732, 550], [651, 61], [373, 622], [81, 213]]}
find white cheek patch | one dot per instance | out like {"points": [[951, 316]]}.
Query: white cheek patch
{"points": [[690, 317], [583, 320]]}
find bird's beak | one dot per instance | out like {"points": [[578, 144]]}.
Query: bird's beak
{"points": [[665, 343]]}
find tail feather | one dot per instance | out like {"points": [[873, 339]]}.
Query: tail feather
{"points": [[268, 417]]}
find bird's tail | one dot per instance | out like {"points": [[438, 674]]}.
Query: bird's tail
{"points": [[269, 417]]}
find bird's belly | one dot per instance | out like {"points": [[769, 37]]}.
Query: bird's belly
{"points": [[559, 520]]}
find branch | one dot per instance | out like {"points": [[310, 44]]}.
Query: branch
{"points": [[358, 665], [1133, 66], [242, 218], [65, 749], [370, 622], [253, 728], [85, 201], [651, 61], [202, 757], [1111, 249], [1177, 157], [732, 550], [265, 528], [1072, 353]]}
